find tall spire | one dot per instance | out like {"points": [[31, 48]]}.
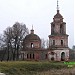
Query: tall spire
{"points": [[57, 7]]}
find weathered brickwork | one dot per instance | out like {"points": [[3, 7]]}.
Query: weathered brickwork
{"points": [[58, 43]]}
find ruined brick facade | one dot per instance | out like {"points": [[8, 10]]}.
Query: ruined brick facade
{"points": [[58, 40], [58, 43], [58, 37]]}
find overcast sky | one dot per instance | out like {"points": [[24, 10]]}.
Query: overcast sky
{"points": [[40, 13]]}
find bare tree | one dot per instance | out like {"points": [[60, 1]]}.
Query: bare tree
{"points": [[8, 40], [73, 47], [42, 43], [13, 38], [2, 47], [47, 43], [1, 41], [19, 33]]}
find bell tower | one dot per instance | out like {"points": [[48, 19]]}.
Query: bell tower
{"points": [[58, 37]]}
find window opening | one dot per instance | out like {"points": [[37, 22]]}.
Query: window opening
{"points": [[52, 53], [27, 56], [31, 45], [61, 42], [46, 56], [52, 58], [53, 42], [33, 56]]}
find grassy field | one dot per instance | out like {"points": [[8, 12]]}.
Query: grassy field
{"points": [[35, 68]]}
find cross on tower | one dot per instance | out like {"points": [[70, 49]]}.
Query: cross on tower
{"points": [[57, 5]]}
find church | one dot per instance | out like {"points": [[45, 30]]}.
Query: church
{"points": [[58, 43]]}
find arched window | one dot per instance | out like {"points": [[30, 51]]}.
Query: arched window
{"points": [[53, 42], [27, 56], [33, 56], [46, 56], [31, 45], [61, 42], [52, 53], [52, 58]]}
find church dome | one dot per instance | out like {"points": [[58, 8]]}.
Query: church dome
{"points": [[32, 37], [32, 41]]}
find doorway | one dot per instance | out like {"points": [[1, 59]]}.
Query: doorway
{"points": [[63, 56]]}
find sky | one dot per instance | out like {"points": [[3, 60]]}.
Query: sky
{"points": [[38, 13]]}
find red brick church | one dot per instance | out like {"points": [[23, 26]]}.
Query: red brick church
{"points": [[58, 43]]}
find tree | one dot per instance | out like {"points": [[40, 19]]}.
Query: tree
{"points": [[1, 41], [47, 43], [73, 47], [42, 43], [13, 38], [19, 33], [8, 40], [2, 47]]}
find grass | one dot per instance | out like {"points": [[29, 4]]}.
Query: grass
{"points": [[34, 68]]}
